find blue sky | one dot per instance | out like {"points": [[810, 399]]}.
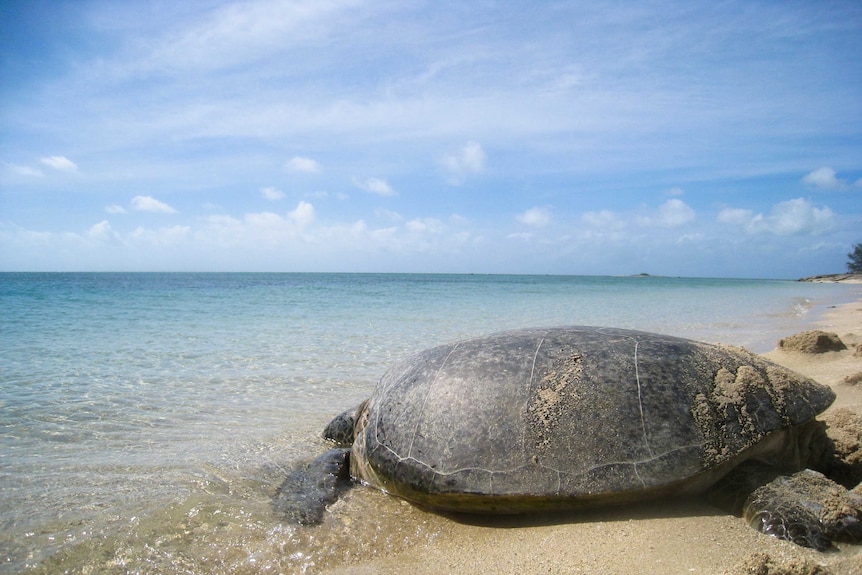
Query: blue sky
{"points": [[676, 138]]}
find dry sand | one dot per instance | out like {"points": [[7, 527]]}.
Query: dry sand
{"points": [[661, 538]]}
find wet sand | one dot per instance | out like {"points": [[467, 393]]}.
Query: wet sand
{"points": [[665, 537]]}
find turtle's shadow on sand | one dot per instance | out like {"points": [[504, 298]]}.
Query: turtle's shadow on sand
{"points": [[657, 509]]}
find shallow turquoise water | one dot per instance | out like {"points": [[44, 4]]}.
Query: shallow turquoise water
{"points": [[126, 396]]}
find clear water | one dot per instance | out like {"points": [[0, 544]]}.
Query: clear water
{"points": [[147, 419]]}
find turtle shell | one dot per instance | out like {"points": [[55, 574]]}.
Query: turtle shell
{"points": [[568, 417]]}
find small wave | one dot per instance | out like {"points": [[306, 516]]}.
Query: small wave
{"points": [[801, 306]]}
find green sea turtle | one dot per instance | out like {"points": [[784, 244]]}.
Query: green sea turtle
{"points": [[574, 417]]}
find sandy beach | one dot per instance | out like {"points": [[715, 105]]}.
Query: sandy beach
{"points": [[663, 537]]}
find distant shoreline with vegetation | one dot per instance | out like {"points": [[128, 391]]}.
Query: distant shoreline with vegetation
{"points": [[834, 278]]}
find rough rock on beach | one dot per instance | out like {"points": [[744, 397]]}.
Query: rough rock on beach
{"points": [[814, 341]]}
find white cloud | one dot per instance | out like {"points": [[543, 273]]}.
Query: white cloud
{"points": [[269, 228], [378, 235], [296, 234], [425, 225], [169, 236], [101, 231], [150, 204], [323, 194], [266, 226], [390, 215], [458, 220], [470, 159], [604, 220], [264, 219], [299, 164], [671, 214], [798, 216], [375, 186], [790, 218], [690, 238], [825, 179], [60, 163], [735, 216], [536, 217], [257, 229], [115, 209], [674, 213], [271, 193], [303, 215], [220, 230]]}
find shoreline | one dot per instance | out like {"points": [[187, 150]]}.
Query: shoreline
{"points": [[662, 537], [846, 278]]}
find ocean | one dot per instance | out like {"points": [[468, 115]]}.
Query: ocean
{"points": [[147, 419]]}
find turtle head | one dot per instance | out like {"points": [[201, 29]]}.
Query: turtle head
{"points": [[341, 430]]}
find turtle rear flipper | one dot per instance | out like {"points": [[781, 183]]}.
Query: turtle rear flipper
{"points": [[806, 508], [310, 487]]}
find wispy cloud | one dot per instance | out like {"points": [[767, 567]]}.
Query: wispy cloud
{"points": [[470, 159], [150, 204], [272, 194], [171, 236], [425, 226], [377, 186], [246, 32], [18, 170], [605, 220], [299, 164], [388, 215], [60, 163], [536, 217], [737, 216]]}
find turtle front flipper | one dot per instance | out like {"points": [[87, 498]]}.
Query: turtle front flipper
{"points": [[806, 508], [310, 487]]}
